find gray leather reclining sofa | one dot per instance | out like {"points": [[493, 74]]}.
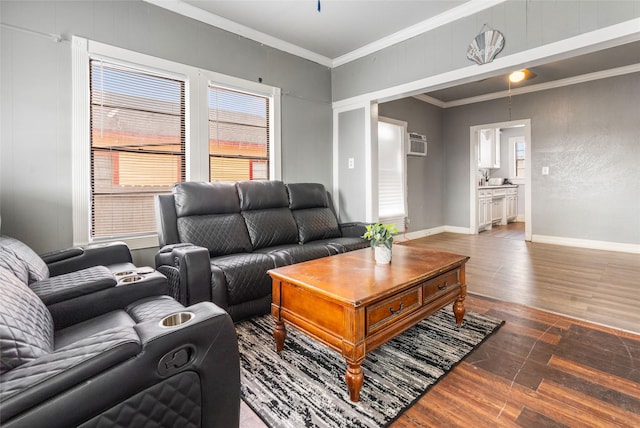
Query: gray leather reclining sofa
{"points": [[80, 347], [218, 240]]}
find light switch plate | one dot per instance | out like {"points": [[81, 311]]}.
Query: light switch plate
{"points": [[545, 170], [351, 162]]}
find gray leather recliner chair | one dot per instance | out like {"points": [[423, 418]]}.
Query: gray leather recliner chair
{"points": [[150, 362]]}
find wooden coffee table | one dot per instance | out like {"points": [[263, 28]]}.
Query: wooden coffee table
{"points": [[353, 306]]}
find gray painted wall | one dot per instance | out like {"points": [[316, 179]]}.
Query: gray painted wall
{"points": [[36, 186], [425, 175], [525, 25], [352, 181], [589, 136]]}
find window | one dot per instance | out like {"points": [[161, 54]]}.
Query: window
{"points": [[391, 172], [142, 123], [137, 146], [517, 157], [238, 135]]}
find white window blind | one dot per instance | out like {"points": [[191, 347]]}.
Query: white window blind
{"points": [[391, 175], [238, 135], [137, 146], [519, 150]]}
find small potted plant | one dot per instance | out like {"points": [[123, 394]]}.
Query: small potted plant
{"points": [[381, 238]]}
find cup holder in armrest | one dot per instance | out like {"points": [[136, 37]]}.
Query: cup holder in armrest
{"points": [[130, 279], [123, 273], [176, 319]]}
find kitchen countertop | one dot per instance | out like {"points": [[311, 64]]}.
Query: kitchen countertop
{"points": [[498, 187]]}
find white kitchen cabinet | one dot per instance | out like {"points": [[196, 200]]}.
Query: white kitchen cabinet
{"points": [[512, 204], [484, 209], [496, 205], [489, 148], [498, 197]]}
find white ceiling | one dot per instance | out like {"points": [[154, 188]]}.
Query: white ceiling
{"points": [[341, 31], [344, 30]]}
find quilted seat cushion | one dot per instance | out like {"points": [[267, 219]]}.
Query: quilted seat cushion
{"points": [[26, 326], [36, 268], [246, 275]]}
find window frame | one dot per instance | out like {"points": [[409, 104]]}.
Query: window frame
{"points": [[512, 159], [401, 219], [196, 123]]}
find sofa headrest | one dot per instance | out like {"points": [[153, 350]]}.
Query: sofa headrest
{"points": [[262, 195], [307, 195], [202, 198], [26, 326], [14, 250]]}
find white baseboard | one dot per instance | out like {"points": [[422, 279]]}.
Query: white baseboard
{"points": [[587, 243], [458, 229], [543, 239], [433, 231], [419, 234]]}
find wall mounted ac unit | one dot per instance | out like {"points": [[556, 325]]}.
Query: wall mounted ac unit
{"points": [[417, 145]]}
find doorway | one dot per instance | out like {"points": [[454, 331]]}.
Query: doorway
{"points": [[474, 155]]}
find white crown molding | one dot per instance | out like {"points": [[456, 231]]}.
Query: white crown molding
{"points": [[430, 100], [614, 35], [185, 9], [465, 9], [628, 69], [458, 12]]}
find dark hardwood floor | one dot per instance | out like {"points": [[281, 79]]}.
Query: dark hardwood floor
{"points": [[541, 368]]}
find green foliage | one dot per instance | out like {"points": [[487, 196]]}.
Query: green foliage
{"points": [[380, 234]]}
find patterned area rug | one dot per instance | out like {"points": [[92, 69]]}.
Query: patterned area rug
{"points": [[304, 386]]}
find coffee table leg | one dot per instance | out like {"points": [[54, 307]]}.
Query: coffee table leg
{"points": [[354, 378], [458, 306], [279, 333]]}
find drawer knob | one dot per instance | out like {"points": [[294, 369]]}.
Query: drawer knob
{"points": [[443, 285], [393, 311]]}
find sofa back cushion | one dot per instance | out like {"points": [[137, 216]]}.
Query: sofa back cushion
{"points": [[36, 268], [26, 326], [203, 198], [220, 234], [313, 215], [12, 263], [208, 215], [265, 209]]}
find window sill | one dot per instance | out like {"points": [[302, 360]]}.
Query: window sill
{"points": [[134, 243]]}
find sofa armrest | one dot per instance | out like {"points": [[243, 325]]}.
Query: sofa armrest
{"points": [[102, 377], [190, 267], [59, 255], [353, 229], [69, 260], [207, 344], [93, 303]]}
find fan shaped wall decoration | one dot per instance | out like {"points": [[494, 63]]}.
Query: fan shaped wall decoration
{"points": [[485, 46]]}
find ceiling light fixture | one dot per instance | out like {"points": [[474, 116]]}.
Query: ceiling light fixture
{"points": [[520, 75], [517, 76]]}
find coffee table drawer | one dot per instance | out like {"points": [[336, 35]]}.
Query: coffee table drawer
{"points": [[381, 313], [440, 285]]}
